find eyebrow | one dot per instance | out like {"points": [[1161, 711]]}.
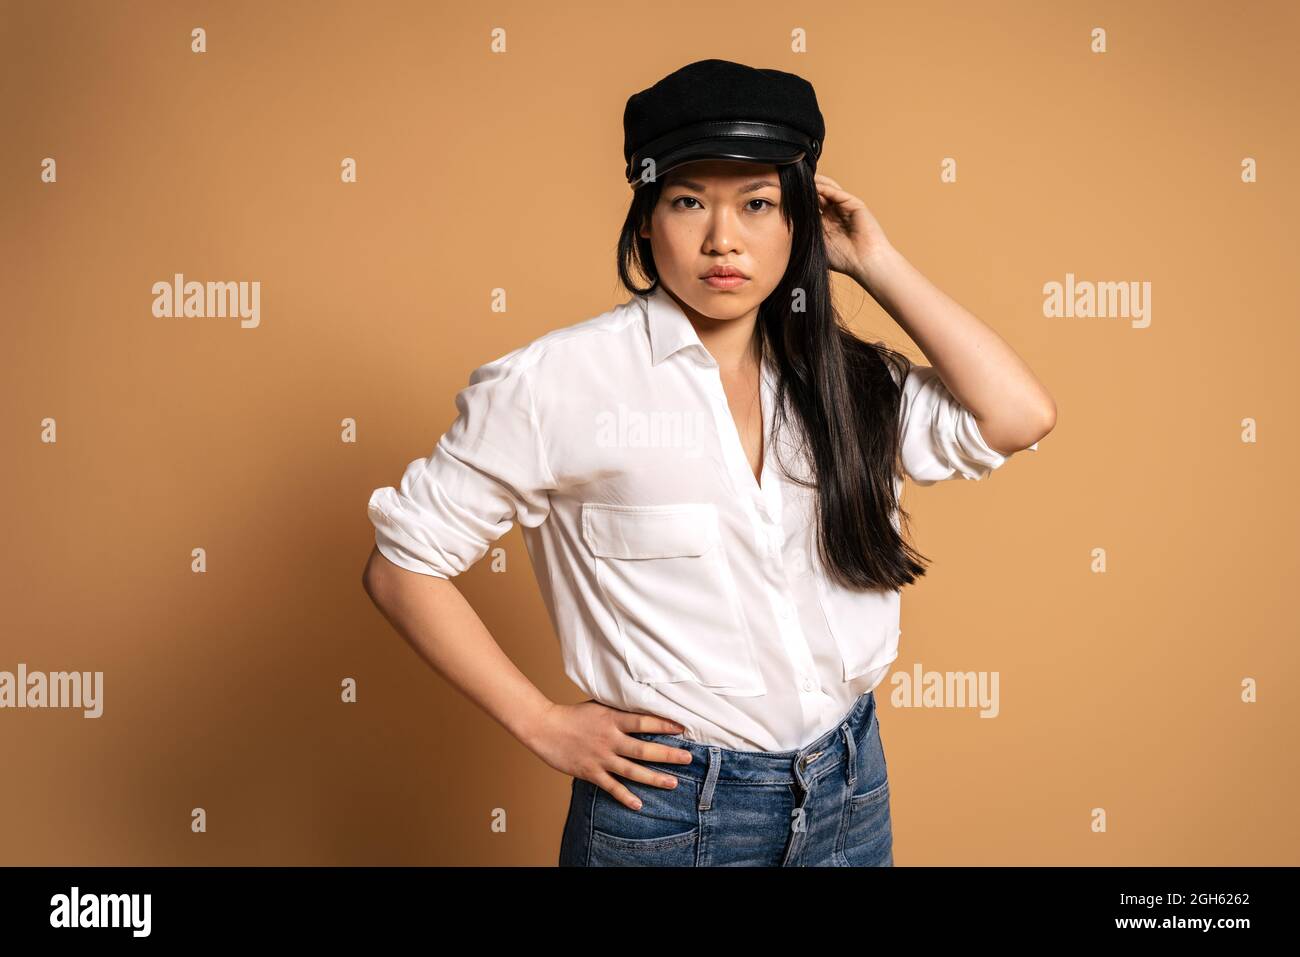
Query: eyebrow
{"points": [[747, 188]]}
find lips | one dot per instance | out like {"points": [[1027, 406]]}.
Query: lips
{"points": [[724, 271], [725, 282]]}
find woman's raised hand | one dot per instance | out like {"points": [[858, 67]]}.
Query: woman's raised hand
{"points": [[853, 236]]}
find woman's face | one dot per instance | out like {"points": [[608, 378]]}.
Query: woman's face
{"points": [[715, 213]]}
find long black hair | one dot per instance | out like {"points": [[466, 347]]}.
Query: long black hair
{"points": [[845, 393]]}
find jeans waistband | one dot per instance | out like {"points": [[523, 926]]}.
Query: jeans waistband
{"points": [[837, 747]]}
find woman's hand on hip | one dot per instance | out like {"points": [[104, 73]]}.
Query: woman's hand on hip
{"points": [[591, 741]]}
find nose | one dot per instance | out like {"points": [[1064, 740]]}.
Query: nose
{"points": [[723, 231]]}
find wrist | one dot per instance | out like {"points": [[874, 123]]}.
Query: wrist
{"points": [[877, 265], [529, 727]]}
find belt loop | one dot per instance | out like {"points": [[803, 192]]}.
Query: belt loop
{"points": [[710, 779], [851, 753]]}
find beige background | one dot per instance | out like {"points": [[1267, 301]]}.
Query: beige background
{"points": [[481, 170]]}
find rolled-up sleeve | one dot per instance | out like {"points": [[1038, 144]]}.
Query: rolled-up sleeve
{"points": [[488, 471], [940, 438]]}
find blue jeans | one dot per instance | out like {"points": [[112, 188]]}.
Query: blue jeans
{"points": [[826, 804]]}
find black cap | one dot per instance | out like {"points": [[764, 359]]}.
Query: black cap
{"points": [[716, 109]]}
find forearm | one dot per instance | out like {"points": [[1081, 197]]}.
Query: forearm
{"points": [[433, 617], [979, 368]]}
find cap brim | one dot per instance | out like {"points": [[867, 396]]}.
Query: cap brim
{"points": [[750, 150]]}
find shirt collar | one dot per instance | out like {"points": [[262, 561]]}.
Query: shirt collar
{"points": [[671, 331]]}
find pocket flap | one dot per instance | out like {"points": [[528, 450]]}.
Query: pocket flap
{"points": [[649, 531]]}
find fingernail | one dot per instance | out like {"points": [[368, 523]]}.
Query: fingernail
{"points": [[636, 804]]}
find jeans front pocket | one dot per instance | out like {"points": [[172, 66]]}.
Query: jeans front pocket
{"points": [[664, 574], [664, 833], [868, 835]]}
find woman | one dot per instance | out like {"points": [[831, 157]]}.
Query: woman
{"points": [[707, 480]]}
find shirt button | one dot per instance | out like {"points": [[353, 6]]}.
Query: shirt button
{"points": [[807, 684]]}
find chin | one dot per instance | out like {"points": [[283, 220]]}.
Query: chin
{"points": [[722, 306], [722, 303]]}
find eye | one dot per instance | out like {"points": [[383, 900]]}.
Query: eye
{"points": [[749, 205]]}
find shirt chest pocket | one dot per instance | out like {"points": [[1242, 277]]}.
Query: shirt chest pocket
{"points": [[864, 625], [665, 577]]}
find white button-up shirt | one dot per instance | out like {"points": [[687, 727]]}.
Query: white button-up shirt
{"points": [[678, 585]]}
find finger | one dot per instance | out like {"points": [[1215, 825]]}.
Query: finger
{"points": [[638, 772], [825, 182], [653, 751], [617, 791], [646, 723], [843, 204], [829, 196], [835, 192]]}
